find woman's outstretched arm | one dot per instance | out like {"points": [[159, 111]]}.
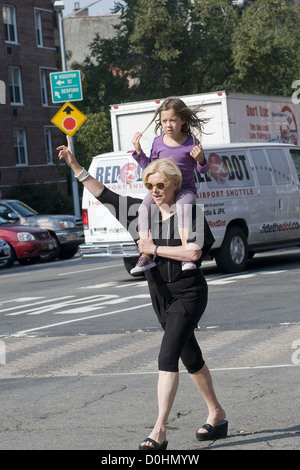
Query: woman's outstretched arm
{"points": [[66, 153]]}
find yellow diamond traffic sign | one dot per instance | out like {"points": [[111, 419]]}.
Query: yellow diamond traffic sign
{"points": [[68, 119]]}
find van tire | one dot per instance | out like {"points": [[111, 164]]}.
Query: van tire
{"points": [[232, 256]]}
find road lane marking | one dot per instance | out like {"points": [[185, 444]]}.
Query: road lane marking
{"points": [[20, 299], [99, 286], [133, 284], [89, 308], [74, 305], [229, 279], [45, 327], [116, 285], [30, 305], [88, 270], [219, 369], [56, 304], [213, 281]]}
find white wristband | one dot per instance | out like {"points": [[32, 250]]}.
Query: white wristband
{"points": [[82, 175]]}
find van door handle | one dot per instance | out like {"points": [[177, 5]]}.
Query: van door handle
{"points": [[280, 204]]}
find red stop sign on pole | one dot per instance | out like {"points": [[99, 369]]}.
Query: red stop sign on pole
{"points": [[69, 123]]}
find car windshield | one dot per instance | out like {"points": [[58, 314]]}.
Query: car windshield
{"points": [[22, 209]]}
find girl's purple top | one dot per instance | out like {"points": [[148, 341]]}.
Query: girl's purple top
{"points": [[180, 154]]}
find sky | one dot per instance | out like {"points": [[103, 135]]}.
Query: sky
{"points": [[102, 7]]}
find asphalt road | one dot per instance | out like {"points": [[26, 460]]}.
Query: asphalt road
{"points": [[78, 357]]}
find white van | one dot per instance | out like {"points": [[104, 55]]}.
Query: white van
{"points": [[251, 198]]}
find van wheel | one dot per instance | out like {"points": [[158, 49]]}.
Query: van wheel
{"points": [[232, 256], [129, 263]]}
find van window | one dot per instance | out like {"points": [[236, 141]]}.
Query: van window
{"points": [[262, 167], [295, 153], [280, 166], [228, 170]]}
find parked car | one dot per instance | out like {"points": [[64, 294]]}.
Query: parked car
{"points": [[5, 252], [66, 229], [27, 243]]}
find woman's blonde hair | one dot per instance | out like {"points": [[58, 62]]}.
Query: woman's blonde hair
{"points": [[167, 168]]}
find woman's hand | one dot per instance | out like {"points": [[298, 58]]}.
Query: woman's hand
{"points": [[146, 246], [189, 252], [198, 154], [136, 142], [66, 153]]}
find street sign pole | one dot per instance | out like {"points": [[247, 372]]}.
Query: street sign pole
{"points": [[77, 211]]}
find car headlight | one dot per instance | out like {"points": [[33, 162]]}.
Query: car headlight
{"points": [[25, 237], [67, 224]]}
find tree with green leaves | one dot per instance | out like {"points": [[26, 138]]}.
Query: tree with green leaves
{"points": [[266, 48]]}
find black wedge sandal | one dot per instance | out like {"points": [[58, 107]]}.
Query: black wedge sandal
{"points": [[155, 446], [213, 432]]}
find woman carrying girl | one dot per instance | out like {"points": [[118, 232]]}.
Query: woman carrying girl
{"points": [[179, 298]]}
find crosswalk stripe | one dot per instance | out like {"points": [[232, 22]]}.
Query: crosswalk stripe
{"points": [[136, 353]]}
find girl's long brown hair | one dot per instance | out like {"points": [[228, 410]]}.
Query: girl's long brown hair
{"points": [[192, 121]]}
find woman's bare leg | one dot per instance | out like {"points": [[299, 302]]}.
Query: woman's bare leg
{"points": [[166, 391], [203, 381]]}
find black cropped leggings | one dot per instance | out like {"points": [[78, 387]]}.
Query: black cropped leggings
{"points": [[179, 321], [179, 342]]}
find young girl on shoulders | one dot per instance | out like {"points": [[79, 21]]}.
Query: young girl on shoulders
{"points": [[177, 124]]}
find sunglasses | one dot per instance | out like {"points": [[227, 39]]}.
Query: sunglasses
{"points": [[160, 186]]}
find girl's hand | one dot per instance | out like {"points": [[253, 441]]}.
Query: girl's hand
{"points": [[136, 142], [198, 154]]}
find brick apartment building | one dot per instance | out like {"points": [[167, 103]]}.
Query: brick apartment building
{"points": [[29, 44]]}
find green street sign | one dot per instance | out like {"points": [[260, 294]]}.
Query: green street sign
{"points": [[66, 86]]}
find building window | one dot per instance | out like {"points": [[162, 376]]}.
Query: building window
{"points": [[15, 85], [20, 147], [10, 24], [38, 28], [44, 90], [48, 142], [2, 92]]}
